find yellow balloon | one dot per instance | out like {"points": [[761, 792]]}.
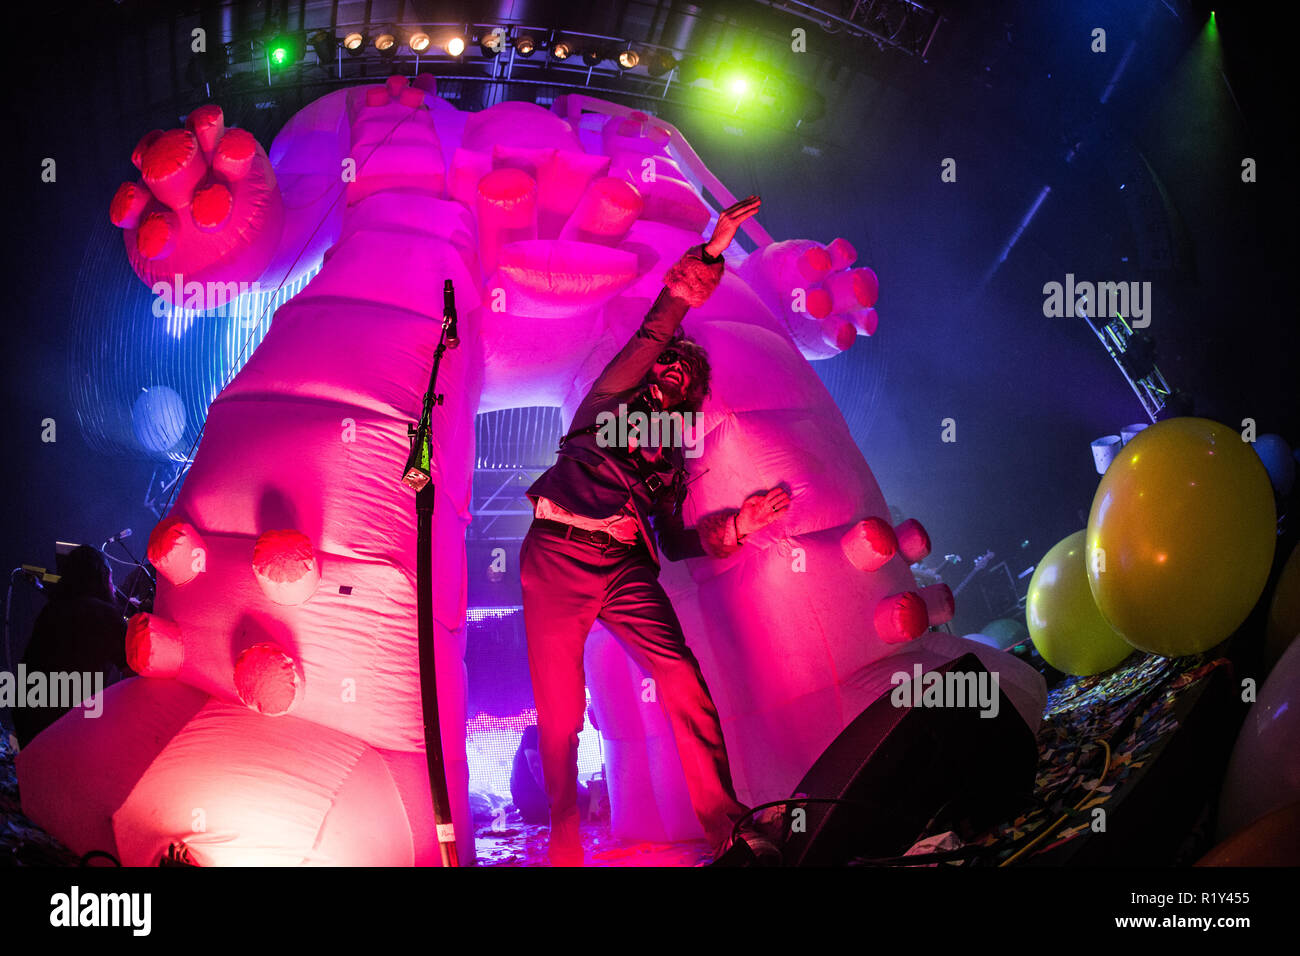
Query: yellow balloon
{"points": [[1063, 619], [1181, 536]]}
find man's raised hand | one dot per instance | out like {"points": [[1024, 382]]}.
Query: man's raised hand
{"points": [[729, 220], [761, 509]]}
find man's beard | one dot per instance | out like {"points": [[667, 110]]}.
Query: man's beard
{"points": [[672, 391]]}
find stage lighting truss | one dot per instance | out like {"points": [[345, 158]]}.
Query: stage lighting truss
{"points": [[580, 52], [600, 63], [1134, 353], [903, 25]]}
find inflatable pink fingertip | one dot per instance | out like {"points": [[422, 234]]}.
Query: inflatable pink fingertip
{"points": [[156, 236], [128, 203], [842, 253], [142, 147], [267, 679], [901, 617], [153, 646], [177, 551], [212, 207], [869, 544], [207, 123], [865, 321], [819, 303], [814, 263], [866, 286], [913, 540], [940, 605], [284, 562], [838, 332]]}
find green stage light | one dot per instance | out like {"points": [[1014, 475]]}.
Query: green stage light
{"points": [[284, 49]]}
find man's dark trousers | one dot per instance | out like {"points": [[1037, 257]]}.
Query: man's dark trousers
{"points": [[567, 584]]}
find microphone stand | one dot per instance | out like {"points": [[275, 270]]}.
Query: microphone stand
{"points": [[418, 476]]}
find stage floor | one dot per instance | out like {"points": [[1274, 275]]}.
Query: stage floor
{"points": [[1141, 699], [525, 845]]}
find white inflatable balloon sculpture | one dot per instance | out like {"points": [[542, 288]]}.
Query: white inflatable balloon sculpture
{"points": [[278, 717]]}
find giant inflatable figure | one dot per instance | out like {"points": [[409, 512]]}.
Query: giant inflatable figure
{"points": [[277, 718]]}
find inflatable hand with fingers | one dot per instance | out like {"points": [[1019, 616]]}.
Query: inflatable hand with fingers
{"points": [[277, 718]]}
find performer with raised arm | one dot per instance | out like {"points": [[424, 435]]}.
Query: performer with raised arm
{"points": [[591, 553]]}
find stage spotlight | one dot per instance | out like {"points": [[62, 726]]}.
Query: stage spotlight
{"points": [[324, 43], [455, 46], [628, 59], [657, 64], [284, 49], [493, 43], [525, 45], [354, 43], [418, 41], [738, 85], [593, 57], [562, 50], [386, 44]]}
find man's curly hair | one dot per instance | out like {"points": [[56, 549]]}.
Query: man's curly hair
{"points": [[694, 356]]}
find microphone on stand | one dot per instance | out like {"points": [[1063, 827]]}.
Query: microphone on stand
{"points": [[124, 533], [40, 576], [449, 314]]}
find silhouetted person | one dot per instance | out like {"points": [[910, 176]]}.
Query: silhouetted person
{"points": [[527, 785], [80, 630]]}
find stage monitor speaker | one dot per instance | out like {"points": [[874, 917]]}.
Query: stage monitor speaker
{"points": [[899, 765]]}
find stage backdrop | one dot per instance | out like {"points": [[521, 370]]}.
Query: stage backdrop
{"points": [[278, 719]]}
